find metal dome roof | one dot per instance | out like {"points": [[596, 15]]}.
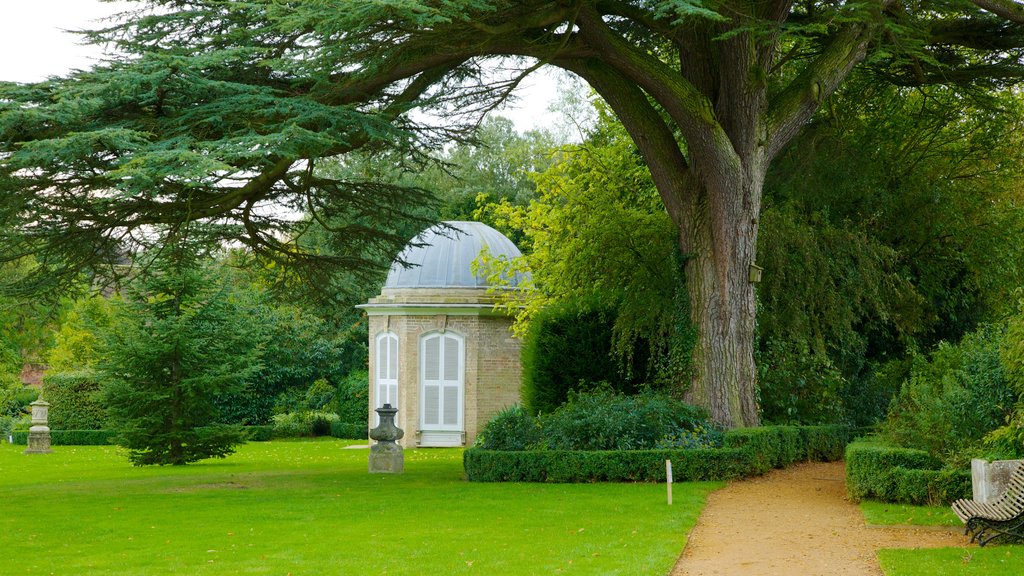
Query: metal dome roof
{"points": [[442, 257]]}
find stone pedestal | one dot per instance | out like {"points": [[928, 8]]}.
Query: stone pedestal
{"points": [[989, 479], [39, 433], [38, 440], [386, 456]]}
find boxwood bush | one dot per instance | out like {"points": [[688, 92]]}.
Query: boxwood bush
{"points": [[903, 475]]}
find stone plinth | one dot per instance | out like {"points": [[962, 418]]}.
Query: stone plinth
{"points": [[386, 457], [38, 440], [989, 479]]}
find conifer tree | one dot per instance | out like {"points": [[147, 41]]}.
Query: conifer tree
{"points": [[180, 338]]}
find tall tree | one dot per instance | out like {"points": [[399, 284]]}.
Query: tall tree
{"points": [[179, 341], [219, 110]]}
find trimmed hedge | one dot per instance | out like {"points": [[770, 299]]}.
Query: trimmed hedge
{"points": [[603, 466], [747, 452], [70, 437], [75, 402], [902, 475], [348, 431]]}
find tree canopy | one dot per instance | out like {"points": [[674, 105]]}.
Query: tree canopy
{"points": [[222, 111]]}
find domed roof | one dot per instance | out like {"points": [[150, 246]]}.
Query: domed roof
{"points": [[442, 257]]}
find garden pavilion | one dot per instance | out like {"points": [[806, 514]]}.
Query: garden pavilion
{"points": [[440, 352]]}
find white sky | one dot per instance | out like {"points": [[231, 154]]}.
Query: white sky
{"points": [[34, 46]]}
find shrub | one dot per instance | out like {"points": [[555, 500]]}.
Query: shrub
{"points": [[321, 426], [259, 433], [349, 431], [905, 475], [296, 424], [568, 346], [353, 398], [10, 387], [953, 399], [511, 429], [75, 401], [605, 420], [321, 395]]}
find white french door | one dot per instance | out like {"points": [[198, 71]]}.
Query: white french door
{"points": [[442, 365]]}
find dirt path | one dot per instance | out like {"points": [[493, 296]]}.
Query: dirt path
{"points": [[796, 522]]}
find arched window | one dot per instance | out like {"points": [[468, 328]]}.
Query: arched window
{"points": [[386, 376], [442, 364]]}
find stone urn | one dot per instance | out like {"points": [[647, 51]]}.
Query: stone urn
{"points": [[386, 455]]}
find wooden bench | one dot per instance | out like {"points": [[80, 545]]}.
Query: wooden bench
{"points": [[1003, 517]]}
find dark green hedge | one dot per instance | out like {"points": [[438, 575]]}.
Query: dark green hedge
{"points": [[902, 475], [569, 347], [350, 431], [70, 437], [747, 452], [75, 402], [608, 465]]}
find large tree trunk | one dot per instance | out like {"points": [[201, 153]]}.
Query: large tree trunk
{"points": [[719, 236]]}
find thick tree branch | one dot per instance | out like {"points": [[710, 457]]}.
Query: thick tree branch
{"points": [[1009, 9], [795, 105], [646, 127]]}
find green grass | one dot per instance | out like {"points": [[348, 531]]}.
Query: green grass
{"points": [[884, 513], [960, 561], [312, 508], [987, 561]]}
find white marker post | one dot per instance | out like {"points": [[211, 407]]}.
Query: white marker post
{"points": [[668, 480]]}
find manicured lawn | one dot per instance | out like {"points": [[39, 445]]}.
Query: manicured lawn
{"points": [[963, 561], [311, 508], [987, 561], [884, 513]]}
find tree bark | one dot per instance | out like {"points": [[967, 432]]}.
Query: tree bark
{"points": [[722, 299]]}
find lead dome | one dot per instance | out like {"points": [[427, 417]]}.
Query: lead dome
{"points": [[442, 256]]}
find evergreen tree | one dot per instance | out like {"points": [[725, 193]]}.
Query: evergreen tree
{"points": [[180, 339]]}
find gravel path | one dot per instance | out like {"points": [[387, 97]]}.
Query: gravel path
{"points": [[796, 522]]}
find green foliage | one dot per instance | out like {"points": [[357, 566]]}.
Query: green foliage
{"points": [[599, 245], [953, 399], [568, 347], [354, 398], [604, 420], [320, 395], [1008, 440], [512, 428], [304, 423], [906, 475], [259, 433], [349, 431], [10, 391], [76, 401], [76, 342], [180, 339]]}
